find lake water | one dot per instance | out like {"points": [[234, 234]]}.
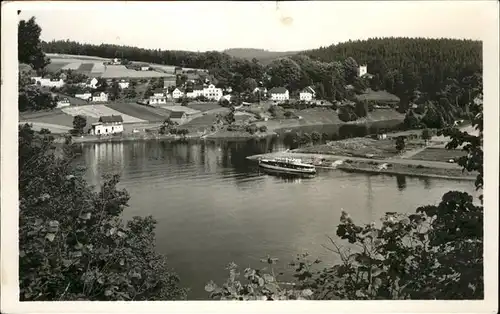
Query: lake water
{"points": [[213, 206]]}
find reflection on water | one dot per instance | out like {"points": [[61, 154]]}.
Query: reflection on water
{"points": [[213, 206], [401, 181]]}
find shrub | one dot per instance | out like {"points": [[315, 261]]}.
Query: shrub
{"points": [[73, 244], [263, 128]]}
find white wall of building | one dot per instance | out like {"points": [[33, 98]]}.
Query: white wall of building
{"points": [[211, 92], [123, 85], [99, 129], [103, 97], [155, 100], [284, 96], [362, 70], [85, 96], [176, 94], [46, 82], [306, 96]]}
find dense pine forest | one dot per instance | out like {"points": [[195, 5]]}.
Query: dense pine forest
{"points": [[422, 63]]}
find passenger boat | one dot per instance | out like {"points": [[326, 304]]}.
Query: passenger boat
{"points": [[288, 166]]}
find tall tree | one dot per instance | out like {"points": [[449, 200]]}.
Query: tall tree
{"points": [[29, 44]]}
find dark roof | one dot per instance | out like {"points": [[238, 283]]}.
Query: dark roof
{"points": [[111, 119], [277, 90], [158, 90], [197, 87], [176, 114]]}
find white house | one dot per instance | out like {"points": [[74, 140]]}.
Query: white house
{"points": [[84, 96], [116, 61], [307, 94], [48, 82], [99, 97], [158, 93], [362, 70], [157, 99], [177, 93], [195, 92], [227, 97], [92, 83], [279, 94], [63, 103], [107, 125], [123, 84], [211, 92], [145, 68]]}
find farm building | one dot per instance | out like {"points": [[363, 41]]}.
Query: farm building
{"points": [[123, 84], [177, 93], [84, 96], [307, 94], [157, 99], [279, 93], [108, 125], [48, 82], [178, 116], [100, 97], [63, 103]]}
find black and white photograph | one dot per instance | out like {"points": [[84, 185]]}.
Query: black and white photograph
{"points": [[284, 151]]}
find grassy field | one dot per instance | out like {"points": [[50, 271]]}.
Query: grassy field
{"points": [[438, 154], [54, 67], [56, 117], [380, 96], [85, 67], [359, 147], [97, 111], [201, 123], [119, 71], [204, 106], [140, 111]]}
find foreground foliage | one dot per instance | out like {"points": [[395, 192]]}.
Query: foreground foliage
{"points": [[73, 244], [434, 253]]}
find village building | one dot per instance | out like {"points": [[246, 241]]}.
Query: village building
{"points": [[158, 92], [211, 92], [177, 93], [226, 97], [48, 82], [63, 76], [100, 97], [107, 125], [362, 70], [178, 117], [84, 96], [307, 94], [196, 91], [279, 94], [158, 97], [63, 103], [123, 84], [145, 68], [92, 83], [228, 90], [115, 61]]}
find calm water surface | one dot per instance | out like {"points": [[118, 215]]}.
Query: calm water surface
{"points": [[213, 206]]}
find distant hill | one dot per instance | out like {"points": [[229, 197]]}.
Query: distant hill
{"points": [[262, 55]]}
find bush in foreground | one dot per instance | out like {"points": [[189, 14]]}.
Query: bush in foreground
{"points": [[73, 244]]}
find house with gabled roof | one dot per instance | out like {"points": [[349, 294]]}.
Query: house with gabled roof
{"points": [[178, 116], [307, 94], [107, 125], [177, 93], [99, 97], [279, 94]]}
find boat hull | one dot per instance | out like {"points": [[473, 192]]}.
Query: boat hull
{"points": [[287, 171]]}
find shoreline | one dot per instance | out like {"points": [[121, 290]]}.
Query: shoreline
{"points": [[406, 167]]}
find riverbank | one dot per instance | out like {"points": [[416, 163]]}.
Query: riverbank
{"points": [[388, 166]]}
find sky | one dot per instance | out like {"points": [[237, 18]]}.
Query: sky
{"points": [[276, 26]]}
